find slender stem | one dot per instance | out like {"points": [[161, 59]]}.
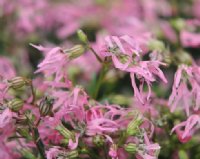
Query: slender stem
{"points": [[33, 94], [100, 80], [93, 155], [38, 142], [96, 55], [36, 138], [105, 151], [122, 139], [38, 122]]}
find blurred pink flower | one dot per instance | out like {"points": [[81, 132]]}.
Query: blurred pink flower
{"points": [[189, 39], [7, 70]]}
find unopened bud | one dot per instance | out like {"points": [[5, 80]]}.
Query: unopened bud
{"points": [[156, 45], [120, 99], [133, 126], [98, 140], [75, 51], [65, 142], [182, 57], [84, 150], [183, 154], [21, 120], [18, 82], [23, 131], [72, 154], [179, 24], [82, 36], [45, 106], [167, 58], [130, 148], [26, 153], [30, 116], [65, 132], [16, 104]]}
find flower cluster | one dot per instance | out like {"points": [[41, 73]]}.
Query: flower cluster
{"points": [[99, 79]]}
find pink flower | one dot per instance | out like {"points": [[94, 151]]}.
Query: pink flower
{"points": [[5, 118], [7, 70], [181, 94], [100, 126], [113, 152], [196, 8], [54, 63], [52, 152], [150, 151], [121, 49], [189, 39], [170, 34], [101, 119], [70, 105], [47, 130], [73, 145], [185, 135], [125, 54], [145, 71]]}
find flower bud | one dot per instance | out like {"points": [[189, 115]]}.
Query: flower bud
{"points": [[167, 57], [182, 57], [29, 116], [18, 82], [82, 36], [21, 120], [130, 148], [65, 132], [72, 154], [45, 106], [183, 154], [113, 151], [179, 24], [27, 153], [156, 45], [133, 126], [75, 51], [16, 104], [98, 140], [84, 150], [120, 99], [23, 131], [65, 142]]}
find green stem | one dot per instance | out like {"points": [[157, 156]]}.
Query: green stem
{"points": [[122, 139], [96, 55], [38, 142], [93, 155], [100, 80], [33, 94], [36, 138], [105, 151]]}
